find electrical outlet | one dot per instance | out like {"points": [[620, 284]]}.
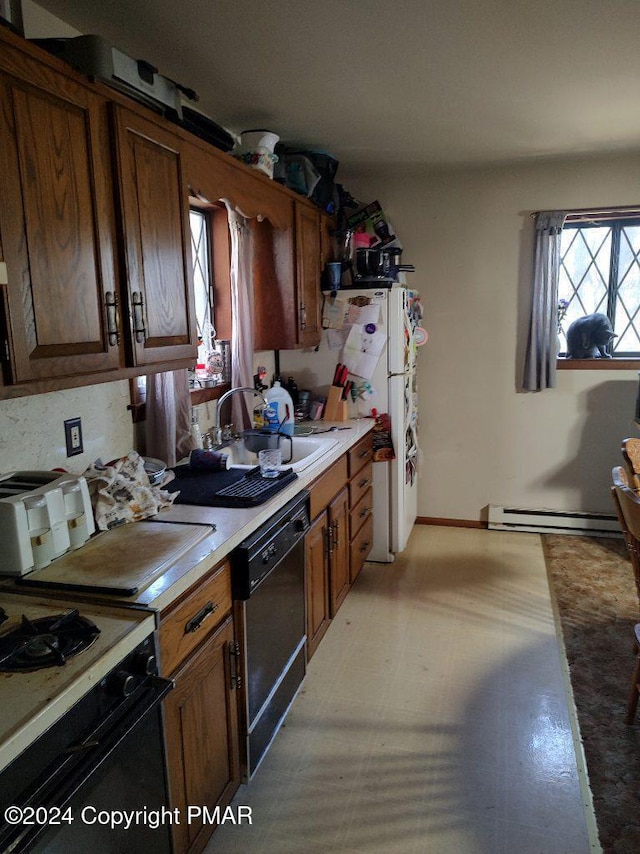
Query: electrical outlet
{"points": [[73, 436]]}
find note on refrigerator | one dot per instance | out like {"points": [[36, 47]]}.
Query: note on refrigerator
{"points": [[333, 313], [362, 349], [363, 314]]}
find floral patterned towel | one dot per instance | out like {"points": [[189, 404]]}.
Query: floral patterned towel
{"points": [[120, 492]]}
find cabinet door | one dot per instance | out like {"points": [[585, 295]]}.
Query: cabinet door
{"points": [[317, 582], [339, 534], [201, 727], [275, 324], [308, 275], [57, 226], [154, 212]]}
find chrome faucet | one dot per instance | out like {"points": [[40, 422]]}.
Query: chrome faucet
{"points": [[217, 429]]}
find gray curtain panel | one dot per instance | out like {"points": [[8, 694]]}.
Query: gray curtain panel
{"points": [[168, 424], [542, 346]]}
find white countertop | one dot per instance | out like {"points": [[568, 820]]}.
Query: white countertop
{"points": [[46, 695], [233, 525]]}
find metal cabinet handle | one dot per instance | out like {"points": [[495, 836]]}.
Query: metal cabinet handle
{"points": [[234, 660], [364, 546], [364, 482], [364, 453], [365, 512], [303, 317], [336, 535], [137, 300], [113, 331], [195, 622], [329, 541]]}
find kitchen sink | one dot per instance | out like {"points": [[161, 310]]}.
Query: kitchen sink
{"points": [[307, 450]]}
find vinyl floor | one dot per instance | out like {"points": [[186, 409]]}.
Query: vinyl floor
{"points": [[435, 716]]}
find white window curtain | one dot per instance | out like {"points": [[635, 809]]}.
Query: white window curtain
{"points": [[542, 347], [242, 313], [168, 416]]}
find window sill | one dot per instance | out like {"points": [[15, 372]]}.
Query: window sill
{"points": [[198, 395], [202, 395], [598, 364]]}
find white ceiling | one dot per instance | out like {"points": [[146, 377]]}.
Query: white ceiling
{"points": [[436, 82]]}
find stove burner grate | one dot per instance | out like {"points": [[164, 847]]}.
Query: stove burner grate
{"points": [[46, 642]]}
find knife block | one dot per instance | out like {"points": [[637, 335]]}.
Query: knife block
{"points": [[335, 408]]}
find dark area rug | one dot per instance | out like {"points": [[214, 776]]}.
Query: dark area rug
{"points": [[594, 588]]}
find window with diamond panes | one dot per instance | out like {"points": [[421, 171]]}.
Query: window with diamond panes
{"points": [[202, 283], [600, 272]]}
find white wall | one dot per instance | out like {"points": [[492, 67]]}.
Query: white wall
{"points": [[32, 428], [469, 234]]}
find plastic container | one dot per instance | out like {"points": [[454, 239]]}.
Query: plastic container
{"points": [[196, 433], [278, 414]]}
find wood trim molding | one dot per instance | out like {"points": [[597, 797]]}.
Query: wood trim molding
{"points": [[598, 364], [450, 523]]}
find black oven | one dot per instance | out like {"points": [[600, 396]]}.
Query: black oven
{"points": [[96, 780], [268, 584]]}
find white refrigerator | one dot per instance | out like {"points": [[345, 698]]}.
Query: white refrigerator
{"points": [[395, 483], [393, 390]]}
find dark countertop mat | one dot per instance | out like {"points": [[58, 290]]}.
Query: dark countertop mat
{"points": [[200, 488]]}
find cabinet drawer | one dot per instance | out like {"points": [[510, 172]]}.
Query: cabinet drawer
{"points": [[327, 485], [360, 548], [360, 454], [361, 512], [360, 484], [185, 625]]}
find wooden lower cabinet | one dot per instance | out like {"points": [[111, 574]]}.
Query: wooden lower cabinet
{"points": [[361, 503], [339, 539], [201, 728], [339, 581], [198, 650], [317, 581]]}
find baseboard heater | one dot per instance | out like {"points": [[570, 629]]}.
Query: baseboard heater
{"points": [[553, 521]]}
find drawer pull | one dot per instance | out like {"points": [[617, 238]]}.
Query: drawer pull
{"points": [[234, 659], [364, 453], [365, 512], [195, 622], [364, 482], [364, 546], [329, 542]]}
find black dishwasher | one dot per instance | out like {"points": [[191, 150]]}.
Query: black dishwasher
{"points": [[268, 584]]}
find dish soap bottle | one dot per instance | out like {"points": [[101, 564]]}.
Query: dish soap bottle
{"points": [[196, 433], [278, 415]]}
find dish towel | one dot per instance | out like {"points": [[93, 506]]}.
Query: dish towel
{"points": [[120, 492]]}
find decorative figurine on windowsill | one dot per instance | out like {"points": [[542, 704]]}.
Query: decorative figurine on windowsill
{"points": [[589, 336]]}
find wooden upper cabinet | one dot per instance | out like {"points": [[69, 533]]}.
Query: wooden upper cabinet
{"points": [[57, 225], [274, 295], [308, 275], [154, 214]]}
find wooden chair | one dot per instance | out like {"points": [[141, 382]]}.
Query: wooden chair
{"points": [[627, 504], [631, 456]]}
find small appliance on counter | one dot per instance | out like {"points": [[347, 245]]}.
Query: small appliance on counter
{"points": [[43, 514]]}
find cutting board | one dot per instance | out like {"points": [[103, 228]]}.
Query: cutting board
{"points": [[121, 561]]}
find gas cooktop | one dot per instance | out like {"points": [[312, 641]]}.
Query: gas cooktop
{"points": [[51, 653]]}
